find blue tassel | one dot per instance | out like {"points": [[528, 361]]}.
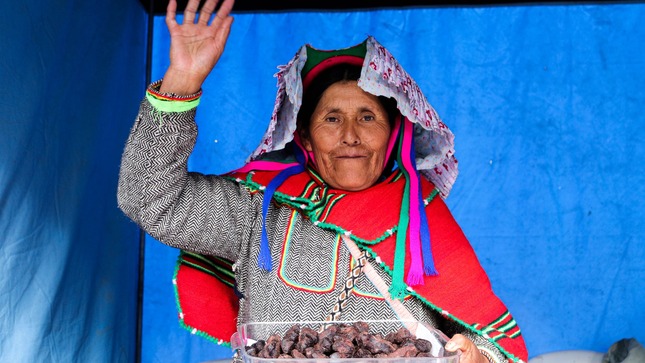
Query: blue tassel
{"points": [[424, 230], [264, 258]]}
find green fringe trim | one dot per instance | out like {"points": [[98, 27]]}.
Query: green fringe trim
{"points": [[308, 209], [226, 272]]}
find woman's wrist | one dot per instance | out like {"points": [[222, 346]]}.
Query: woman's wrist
{"points": [[155, 89], [180, 83]]}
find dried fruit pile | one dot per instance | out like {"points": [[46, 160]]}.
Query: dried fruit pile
{"points": [[340, 341]]}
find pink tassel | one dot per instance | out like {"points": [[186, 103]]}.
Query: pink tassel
{"points": [[415, 275]]}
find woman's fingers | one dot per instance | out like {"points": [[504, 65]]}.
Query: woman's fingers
{"points": [[207, 11], [225, 29], [223, 13], [223, 21], [171, 13], [191, 11]]}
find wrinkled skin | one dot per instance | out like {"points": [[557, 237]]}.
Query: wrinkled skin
{"points": [[348, 135]]}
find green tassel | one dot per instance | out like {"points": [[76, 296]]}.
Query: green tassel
{"points": [[398, 288]]}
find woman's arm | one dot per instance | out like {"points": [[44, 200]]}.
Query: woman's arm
{"points": [[200, 213], [185, 210]]}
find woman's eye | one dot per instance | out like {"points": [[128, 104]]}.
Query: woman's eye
{"points": [[331, 119], [368, 118]]}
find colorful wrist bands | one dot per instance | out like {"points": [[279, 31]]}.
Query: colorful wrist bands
{"points": [[170, 102]]}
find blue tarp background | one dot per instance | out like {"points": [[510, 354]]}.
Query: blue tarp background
{"points": [[545, 102], [546, 106], [71, 76]]}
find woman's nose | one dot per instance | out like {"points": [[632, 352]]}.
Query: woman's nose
{"points": [[350, 135]]}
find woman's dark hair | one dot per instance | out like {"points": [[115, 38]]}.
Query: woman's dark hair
{"points": [[314, 91]]}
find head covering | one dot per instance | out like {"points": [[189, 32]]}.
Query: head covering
{"points": [[381, 75]]}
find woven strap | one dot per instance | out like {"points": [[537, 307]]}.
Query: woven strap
{"points": [[352, 276], [405, 316]]}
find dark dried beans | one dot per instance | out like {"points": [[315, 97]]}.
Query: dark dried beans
{"points": [[340, 341]]}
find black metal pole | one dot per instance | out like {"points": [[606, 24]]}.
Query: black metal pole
{"points": [[142, 234]]}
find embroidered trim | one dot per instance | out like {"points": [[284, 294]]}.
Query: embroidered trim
{"points": [[212, 267], [283, 261], [312, 190], [307, 207], [502, 327], [323, 213]]}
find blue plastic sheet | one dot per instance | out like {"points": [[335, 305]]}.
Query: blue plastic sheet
{"points": [[71, 76], [546, 105], [545, 102]]}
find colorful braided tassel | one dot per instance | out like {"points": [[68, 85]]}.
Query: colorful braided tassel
{"points": [[264, 258], [413, 223]]}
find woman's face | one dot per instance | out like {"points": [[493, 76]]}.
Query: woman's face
{"points": [[348, 135]]}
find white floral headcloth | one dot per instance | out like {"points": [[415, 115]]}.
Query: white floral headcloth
{"points": [[381, 75]]}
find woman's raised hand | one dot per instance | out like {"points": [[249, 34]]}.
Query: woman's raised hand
{"points": [[195, 45]]}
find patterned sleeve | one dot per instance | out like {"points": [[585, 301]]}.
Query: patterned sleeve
{"points": [[195, 212]]}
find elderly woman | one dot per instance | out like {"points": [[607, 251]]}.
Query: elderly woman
{"points": [[349, 178]]}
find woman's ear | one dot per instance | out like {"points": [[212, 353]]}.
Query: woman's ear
{"points": [[307, 145], [304, 138]]}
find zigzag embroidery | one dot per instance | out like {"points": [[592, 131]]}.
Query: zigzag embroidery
{"points": [[283, 271], [502, 327], [217, 267]]}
